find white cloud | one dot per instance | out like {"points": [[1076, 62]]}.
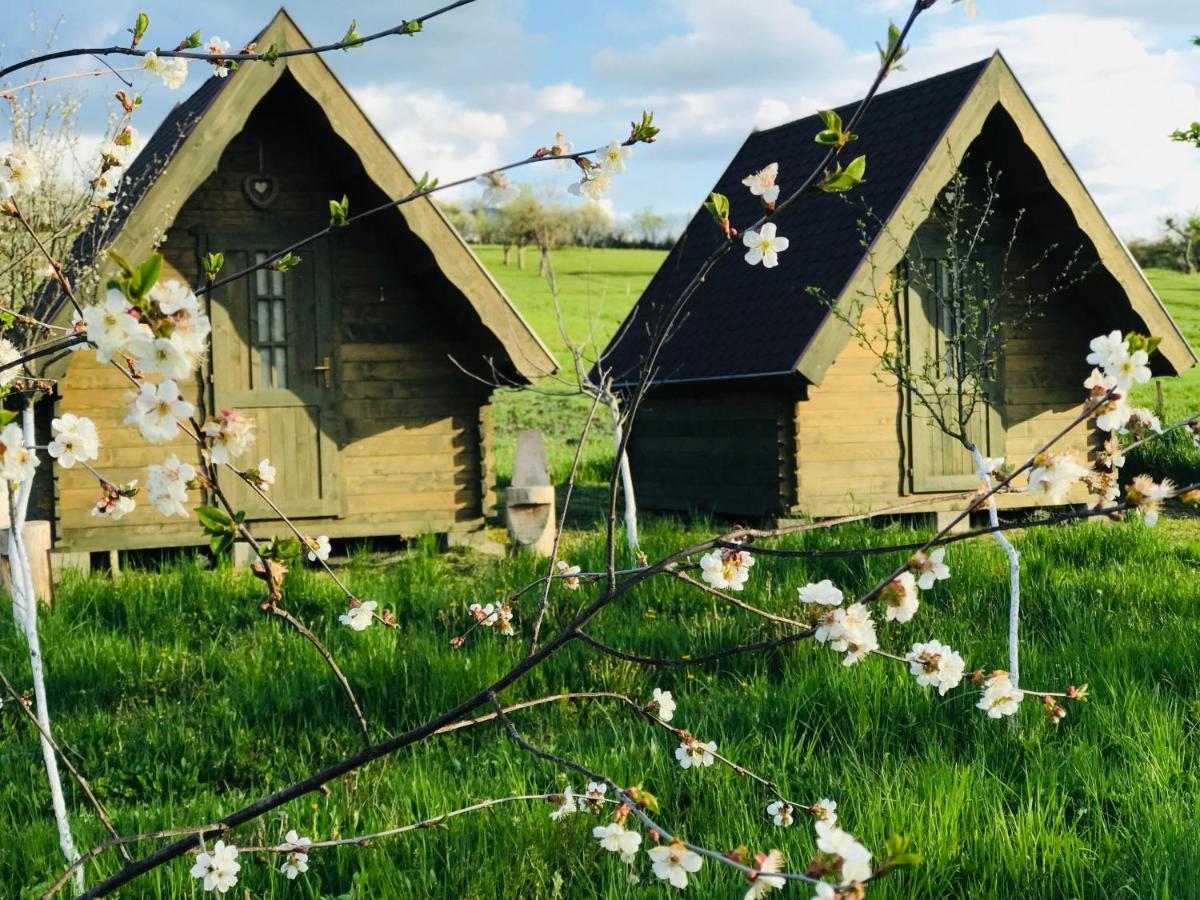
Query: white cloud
{"points": [[1109, 99]]}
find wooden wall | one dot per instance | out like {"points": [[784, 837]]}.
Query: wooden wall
{"points": [[414, 433], [715, 450]]}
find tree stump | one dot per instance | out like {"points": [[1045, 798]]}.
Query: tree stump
{"points": [[529, 501]]}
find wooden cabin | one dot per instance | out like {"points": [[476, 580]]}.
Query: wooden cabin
{"points": [[349, 362], [763, 402]]}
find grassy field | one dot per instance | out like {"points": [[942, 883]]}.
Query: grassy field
{"points": [[180, 702]]}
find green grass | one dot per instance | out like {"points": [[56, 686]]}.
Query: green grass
{"points": [[596, 288], [180, 702]]}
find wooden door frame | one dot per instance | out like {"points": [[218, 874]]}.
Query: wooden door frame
{"points": [[318, 257]]}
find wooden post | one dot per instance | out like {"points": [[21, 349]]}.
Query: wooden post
{"points": [[114, 563], [76, 562], [529, 502], [36, 535]]}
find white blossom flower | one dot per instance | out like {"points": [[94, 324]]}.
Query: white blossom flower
{"points": [[596, 790], [855, 858], [75, 440], [17, 461], [111, 326], [594, 184], [569, 574], [932, 568], [8, 354], [1108, 350], [167, 486], [693, 753], [484, 615], [852, 630], [726, 569], [160, 356], [297, 858], [970, 9], [1000, 698], [673, 862], [230, 434], [616, 838], [825, 810], [766, 880], [1142, 420], [829, 625], [1053, 474], [218, 47], [765, 246], [900, 597], [1133, 368], [762, 183], [359, 617], [936, 665], [318, 548], [496, 189], [562, 147], [116, 501], [266, 474], [1114, 415], [992, 464], [663, 705], [218, 868], [780, 813], [172, 69], [1147, 496], [566, 806], [613, 157], [156, 411], [822, 592], [825, 891], [24, 172]]}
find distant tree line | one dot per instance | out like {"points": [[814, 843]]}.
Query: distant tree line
{"points": [[545, 224], [1177, 246]]}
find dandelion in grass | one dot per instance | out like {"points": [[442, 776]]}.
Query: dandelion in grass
{"points": [[726, 569], [822, 592], [781, 813], [692, 753], [296, 861], [662, 705], [673, 863], [616, 838], [764, 246], [935, 665], [764, 880], [360, 615], [218, 868]]}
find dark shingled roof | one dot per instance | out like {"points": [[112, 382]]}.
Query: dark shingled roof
{"points": [[747, 320]]}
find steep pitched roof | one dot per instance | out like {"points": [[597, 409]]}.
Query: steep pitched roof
{"points": [[747, 321], [185, 148]]}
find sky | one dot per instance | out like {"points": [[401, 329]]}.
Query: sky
{"points": [[491, 82]]}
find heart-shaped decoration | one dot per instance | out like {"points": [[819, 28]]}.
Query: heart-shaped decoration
{"points": [[261, 190]]}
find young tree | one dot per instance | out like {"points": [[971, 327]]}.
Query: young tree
{"points": [[648, 226]]}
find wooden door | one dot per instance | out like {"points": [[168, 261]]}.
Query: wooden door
{"points": [[937, 461], [272, 349]]}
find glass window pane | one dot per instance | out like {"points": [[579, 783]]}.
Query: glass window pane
{"points": [[281, 367], [264, 323], [278, 325], [260, 275], [264, 378], [276, 283]]}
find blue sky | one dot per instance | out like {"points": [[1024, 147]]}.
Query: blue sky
{"points": [[491, 82]]}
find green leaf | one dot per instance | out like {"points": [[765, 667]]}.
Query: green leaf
{"points": [[846, 179], [833, 133], [284, 548], [285, 262], [7, 417], [214, 521], [272, 55], [411, 27], [643, 131], [425, 184], [893, 51], [833, 122], [145, 277], [339, 213], [191, 42], [213, 262], [139, 27], [718, 207], [352, 38], [121, 261], [220, 543]]}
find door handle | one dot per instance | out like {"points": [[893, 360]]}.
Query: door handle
{"points": [[325, 368]]}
